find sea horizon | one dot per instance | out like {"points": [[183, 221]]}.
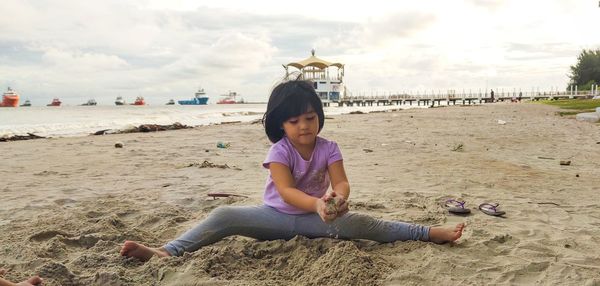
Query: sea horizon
{"points": [[74, 121]]}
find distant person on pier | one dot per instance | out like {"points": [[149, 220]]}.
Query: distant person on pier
{"points": [[492, 94]]}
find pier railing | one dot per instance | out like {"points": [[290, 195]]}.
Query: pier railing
{"points": [[430, 99]]}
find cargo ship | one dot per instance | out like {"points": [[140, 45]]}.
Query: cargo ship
{"points": [[119, 101], [10, 99], [55, 102], [90, 102], [139, 101], [199, 99], [230, 98]]}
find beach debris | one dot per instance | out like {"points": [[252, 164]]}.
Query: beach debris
{"points": [[367, 150], [548, 203], [157, 127], [501, 122], [224, 195], [118, 145], [102, 132], [29, 136], [458, 147], [356, 112], [209, 164], [547, 158], [565, 162], [144, 128], [223, 145], [577, 175]]}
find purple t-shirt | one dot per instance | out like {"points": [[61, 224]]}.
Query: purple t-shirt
{"points": [[310, 176]]}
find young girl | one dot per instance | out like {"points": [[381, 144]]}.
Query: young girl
{"points": [[302, 166]]}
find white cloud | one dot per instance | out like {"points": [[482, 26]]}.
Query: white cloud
{"points": [[165, 49]]}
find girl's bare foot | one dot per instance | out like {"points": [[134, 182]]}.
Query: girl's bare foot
{"points": [[141, 252], [35, 280], [443, 234]]}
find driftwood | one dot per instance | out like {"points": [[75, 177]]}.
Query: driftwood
{"points": [[144, 128], [29, 136], [224, 195], [208, 164]]}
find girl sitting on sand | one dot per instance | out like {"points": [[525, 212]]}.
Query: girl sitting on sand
{"points": [[302, 166]]}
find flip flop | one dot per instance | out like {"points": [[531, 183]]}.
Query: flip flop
{"points": [[491, 209], [457, 207]]}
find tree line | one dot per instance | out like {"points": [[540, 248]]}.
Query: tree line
{"points": [[586, 72]]}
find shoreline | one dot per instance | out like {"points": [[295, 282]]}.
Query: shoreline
{"points": [[75, 121], [160, 127], [69, 203]]}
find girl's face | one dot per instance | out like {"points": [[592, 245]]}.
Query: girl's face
{"points": [[302, 130]]}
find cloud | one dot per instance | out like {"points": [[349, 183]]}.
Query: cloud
{"points": [[490, 4], [69, 48]]}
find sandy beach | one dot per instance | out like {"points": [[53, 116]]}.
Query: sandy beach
{"points": [[68, 204]]}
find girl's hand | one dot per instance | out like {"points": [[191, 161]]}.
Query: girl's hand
{"points": [[339, 203], [335, 206], [324, 210]]}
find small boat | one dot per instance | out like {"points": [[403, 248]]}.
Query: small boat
{"points": [[90, 102], [55, 102], [139, 101], [230, 98], [170, 102], [119, 101], [26, 103], [200, 98], [10, 99]]}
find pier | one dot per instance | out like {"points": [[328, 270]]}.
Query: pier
{"points": [[451, 98]]}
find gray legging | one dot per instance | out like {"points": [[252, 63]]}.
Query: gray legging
{"points": [[266, 223]]}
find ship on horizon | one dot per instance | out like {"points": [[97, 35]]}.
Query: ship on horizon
{"points": [[200, 98], [10, 99], [90, 102], [139, 101], [55, 102], [26, 103], [230, 98], [119, 101]]}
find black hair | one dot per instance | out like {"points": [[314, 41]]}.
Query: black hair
{"points": [[290, 99]]}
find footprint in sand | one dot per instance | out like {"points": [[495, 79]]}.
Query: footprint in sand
{"points": [[48, 234]]}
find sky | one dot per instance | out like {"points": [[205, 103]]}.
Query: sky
{"points": [[162, 50]]}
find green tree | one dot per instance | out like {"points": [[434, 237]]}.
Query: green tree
{"points": [[587, 70]]}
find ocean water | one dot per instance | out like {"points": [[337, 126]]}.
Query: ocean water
{"points": [[66, 121]]}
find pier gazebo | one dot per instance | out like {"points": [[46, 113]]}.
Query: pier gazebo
{"points": [[327, 77]]}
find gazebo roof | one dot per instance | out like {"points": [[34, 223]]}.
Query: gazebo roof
{"points": [[314, 62]]}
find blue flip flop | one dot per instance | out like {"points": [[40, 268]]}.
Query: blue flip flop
{"points": [[457, 207], [491, 209]]}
